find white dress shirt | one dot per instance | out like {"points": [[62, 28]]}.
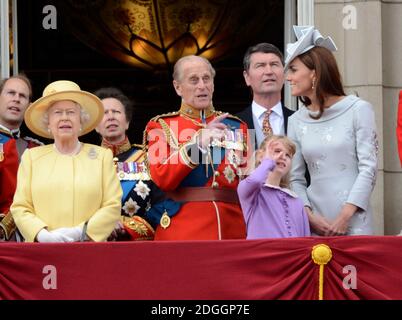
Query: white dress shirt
{"points": [[276, 120]]}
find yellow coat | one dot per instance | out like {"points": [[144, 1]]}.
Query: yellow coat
{"points": [[55, 191]]}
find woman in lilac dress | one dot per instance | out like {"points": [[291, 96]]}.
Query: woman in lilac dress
{"points": [[270, 209]]}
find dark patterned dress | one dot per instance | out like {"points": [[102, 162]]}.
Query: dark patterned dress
{"points": [[141, 196]]}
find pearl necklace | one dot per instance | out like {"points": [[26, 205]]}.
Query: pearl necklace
{"points": [[72, 153]]}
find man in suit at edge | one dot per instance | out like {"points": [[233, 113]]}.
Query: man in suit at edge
{"points": [[264, 74]]}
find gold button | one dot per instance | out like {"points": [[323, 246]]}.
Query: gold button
{"points": [[215, 185], [217, 173]]}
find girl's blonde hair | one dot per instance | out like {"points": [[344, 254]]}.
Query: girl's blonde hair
{"points": [[289, 145]]}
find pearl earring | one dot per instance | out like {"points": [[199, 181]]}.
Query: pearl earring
{"points": [[313, 85]]}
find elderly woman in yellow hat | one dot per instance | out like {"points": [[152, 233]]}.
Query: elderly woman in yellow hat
{"points": [[67, 191]]}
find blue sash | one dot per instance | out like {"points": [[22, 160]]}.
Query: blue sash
{"points": [[198, 177], [4, 138]]}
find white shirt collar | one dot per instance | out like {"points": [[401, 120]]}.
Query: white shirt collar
{"points": [[287, 191], [258, 110], [14, 132]]}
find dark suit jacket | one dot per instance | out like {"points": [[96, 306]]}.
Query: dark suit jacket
{"points": [[247, 116]]}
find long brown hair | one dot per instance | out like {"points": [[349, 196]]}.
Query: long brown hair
{"points": [[328, 79]]}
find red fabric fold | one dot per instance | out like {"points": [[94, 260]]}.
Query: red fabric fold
{"points": [[202, 270]]}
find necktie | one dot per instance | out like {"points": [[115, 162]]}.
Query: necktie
{"points": [[266, 126], [15, 134]]}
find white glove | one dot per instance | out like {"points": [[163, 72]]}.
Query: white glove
{"points": [[74, 232], [46, 236]]}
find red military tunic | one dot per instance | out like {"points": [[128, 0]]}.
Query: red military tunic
{"points": [[9, 162], [8, 172], [207, 189]]}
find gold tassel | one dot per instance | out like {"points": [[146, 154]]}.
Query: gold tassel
{"points": [[321, 255]]}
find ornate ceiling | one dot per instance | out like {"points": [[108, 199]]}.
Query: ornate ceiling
{"points": [[155, 33]]}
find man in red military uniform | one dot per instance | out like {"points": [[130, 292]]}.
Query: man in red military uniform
{"points": [[15, 96], [195, 155]]}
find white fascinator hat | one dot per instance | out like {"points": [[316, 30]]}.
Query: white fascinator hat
{"points": [[307, 38]]}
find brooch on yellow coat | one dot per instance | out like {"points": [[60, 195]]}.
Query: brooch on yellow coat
{"points": [[92, 154]]}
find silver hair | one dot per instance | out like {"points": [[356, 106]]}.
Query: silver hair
{"points": [[84, 116], [178, 67]]}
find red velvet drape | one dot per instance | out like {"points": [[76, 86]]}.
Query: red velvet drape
{"points": [[201, 270]]}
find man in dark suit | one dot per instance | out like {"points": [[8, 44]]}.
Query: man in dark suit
{"points": [[264, 74]]}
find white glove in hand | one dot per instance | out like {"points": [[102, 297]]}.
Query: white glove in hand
{"points": [[74, 232], [46, 236]]}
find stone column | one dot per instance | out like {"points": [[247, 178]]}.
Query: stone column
{"points": [[391, 29], [356, 27]]}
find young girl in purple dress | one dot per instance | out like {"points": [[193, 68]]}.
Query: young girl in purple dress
{"points": [[270, 209]]}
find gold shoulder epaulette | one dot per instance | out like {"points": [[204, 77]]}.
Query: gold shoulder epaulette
{"points": [[139, 146], [4, 131], [165, 115], [235, 117], [39, 143], [218, 113], [137, 156]]}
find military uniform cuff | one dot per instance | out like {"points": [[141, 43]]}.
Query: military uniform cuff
{"points": [[138, 228], [187, 158], [8, 226], [191, 153]]}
